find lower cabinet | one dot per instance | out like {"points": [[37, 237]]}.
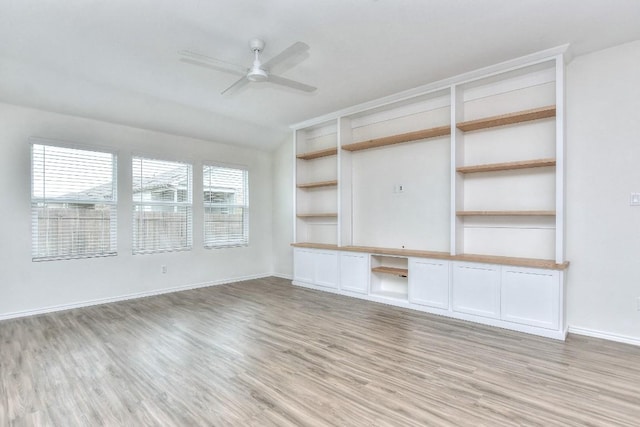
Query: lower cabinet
{"points": [[476, 289], [316, 267], [354, 272], [304, 265], [429, 282], [531, 296], [524, 299]]}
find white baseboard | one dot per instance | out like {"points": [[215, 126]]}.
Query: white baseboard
{"points": [[604, 335], [135, 295], [283, 276]]}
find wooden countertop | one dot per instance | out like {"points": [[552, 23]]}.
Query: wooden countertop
{"points": [[486, 259]]}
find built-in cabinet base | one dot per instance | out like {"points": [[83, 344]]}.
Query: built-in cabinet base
{"points": [[524, 299]]}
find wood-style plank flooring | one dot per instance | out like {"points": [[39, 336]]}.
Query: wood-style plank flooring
{"points": [[263, 353]]}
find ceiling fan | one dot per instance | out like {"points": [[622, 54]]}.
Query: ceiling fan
{"points": [[258, 72]]}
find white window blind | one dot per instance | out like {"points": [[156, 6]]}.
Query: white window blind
{"points": [[162, 197], [73, 202], [226, 206]]}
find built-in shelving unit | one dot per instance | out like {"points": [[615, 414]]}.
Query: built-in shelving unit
{"points": [[508, 119], [505, 166], [448, 199], [398, 139], [316, 194]]}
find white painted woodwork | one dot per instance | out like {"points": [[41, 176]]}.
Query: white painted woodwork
{"points": [[531, 297], [316, 267], [423, 218], [476, 289], [524, 299], [429, 282], [354, 272]]}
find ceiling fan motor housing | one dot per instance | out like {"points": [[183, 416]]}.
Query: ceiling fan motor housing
{"points": [[256, 72]]}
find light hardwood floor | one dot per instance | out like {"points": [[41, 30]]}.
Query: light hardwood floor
{"points": [[264, 352]]}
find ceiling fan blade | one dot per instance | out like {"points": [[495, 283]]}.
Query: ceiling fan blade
{"points": [[290, 83], [242, 81], [208, 62], [294, 49]]}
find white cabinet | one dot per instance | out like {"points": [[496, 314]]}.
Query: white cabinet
{"points": [[316, 267], [531, 296], [525, 299], [476, 289], [429, 282], [354, 272], [326, 264], [303, 265]]}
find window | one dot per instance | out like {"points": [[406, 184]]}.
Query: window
{"points": [[73, 202], [226, 206], [162, 196]]}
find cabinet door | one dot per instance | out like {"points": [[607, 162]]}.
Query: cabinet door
{"points": [[476, 289], [326, 269], [354, 272], [429, 282], [303, 265], [531, 296]]}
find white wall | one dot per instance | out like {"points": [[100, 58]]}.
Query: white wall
{"points": [[283, 209], [603, 167], [27, 286]]}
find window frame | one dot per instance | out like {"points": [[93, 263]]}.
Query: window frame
{"points": [[156, 203], [44, 200], [209, 243]]}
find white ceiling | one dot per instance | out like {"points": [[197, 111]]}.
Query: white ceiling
{"points": [[117, 60]]}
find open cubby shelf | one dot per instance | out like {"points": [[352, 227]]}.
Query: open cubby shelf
{"points": [[397, 139], [319, 184], [494, 167], [317, 154], [506, 213], [508, 119], [391, 270]]}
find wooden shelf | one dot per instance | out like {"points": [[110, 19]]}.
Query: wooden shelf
{"points": [[506, 213], [318, 215], [318, 184], [508, 119], [317, 154], [493, 167], [391, 270], [397, 139]]}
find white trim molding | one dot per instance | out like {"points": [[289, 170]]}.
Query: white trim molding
{"points": [[136, 295], [604, 335]]}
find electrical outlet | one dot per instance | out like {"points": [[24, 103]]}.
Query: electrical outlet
{"points": [[398, 188], [638, 303], [634, 199], [163, 269]]}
